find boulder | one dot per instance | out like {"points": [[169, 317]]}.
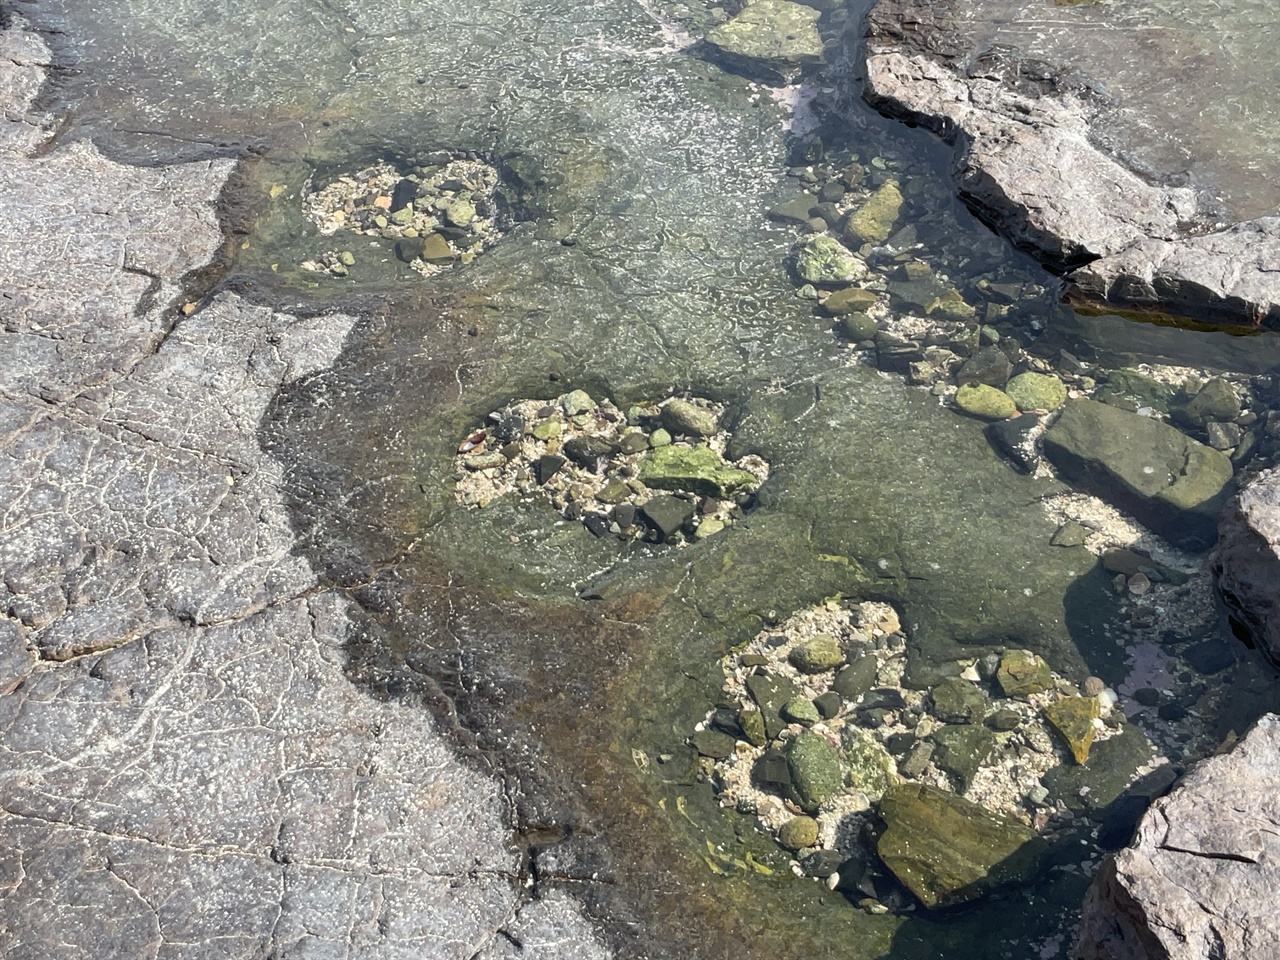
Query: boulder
{"points": [[1248, 562], [1171, 483], [770, 39], [947, 850], [1199, 878]]}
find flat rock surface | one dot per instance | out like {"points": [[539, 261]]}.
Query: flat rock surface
{"points": [[1199, 878], [1042, 102], [185, 769]]}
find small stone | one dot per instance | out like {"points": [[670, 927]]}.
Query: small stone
{"points": [[1139, 584], [624, 515], [1013, 439], [814, 768], [546, 430], [985, 402], [1004, 720], [875, 219], [667, 515], [683, 417], [1216, 400], [577, 402], [348, 258], [709, 527], [1147, 696], [798, 833], [857, 678], [587, 451], [990, 366], [823, 261], [713, 744], [1072, 718], [436, 250], [961, 751], [958, 701], [818, 655], [917, 760], [659, 438], [800, 710], [870, 768], [859, 327], [409, 250], [633, 442], [1093, 686], [614, 492], [850, 300], [752, 724], [1022, 673], [1223, 436], [828, 704]]}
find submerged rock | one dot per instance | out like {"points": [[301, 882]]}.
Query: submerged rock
{"points": [[985, 402], [947, 850], [818, 655], [1172, 483], [873, 222], [1248, 564], [683, 417], [1072, 718], [814, 767], [850, 300], [871, 769], [824, 261], [1036, 391], [694, 469], [1022, 673], [769, 39]]}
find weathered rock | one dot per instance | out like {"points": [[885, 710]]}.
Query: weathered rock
{"points": [[1199, 878], [1013, 438], [873, 222], [814, 768], [1170, 482], [1022, 673], [946, 850], [770, 692], [985, 402], [751, 722], [436, 250], [769, 39], [667, 515], [800, 710], [1072, 718], [798, 833], [693, 469], [990, 365], [824, 261], [1248, 560], [962, 749], [1216, 400], [857, 678]]}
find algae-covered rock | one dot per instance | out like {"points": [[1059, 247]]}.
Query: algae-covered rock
{"points": [[824, 261], [693, 469], [770, 692], [858, 327], [713, 743], [751, 723], [985, 401], [850, 300], [800, 710], [814, 766], [577, 402], [436, 250], [818, 655], [770, 39], [683, 417], [870, 768], [1021, 673], [1216, 400], [946, 850], [959, 701], [875, 219], [1072, 718], [1136, 388], [798, 833], [1036, 391], [857, 678], [1171, 483], [962, 749]]}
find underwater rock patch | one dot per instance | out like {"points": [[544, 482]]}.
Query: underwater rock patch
{"points": [[436, 215], [642, 474]]}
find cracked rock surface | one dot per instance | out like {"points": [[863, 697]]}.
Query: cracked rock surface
{"points": [[1248, 564], [185, 769], [1032, 159], [1199, 878]]}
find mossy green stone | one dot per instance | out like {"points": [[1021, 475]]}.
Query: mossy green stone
{"points": [[985, 401], [659, 438], [773, 36], [800, 710], [962, 749], [1072, 718], [1022, 673], [546, 430], [875, 219], [615, 491], [814, 766], [752, 724], [824, 261], [858, 327], [870, 768], [947, 850], [695, 469], [818, 655], [681, 416], [1036, 391], [798, 833], [577, 402], [959, 701]]}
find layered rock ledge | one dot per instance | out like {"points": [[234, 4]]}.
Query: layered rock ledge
{"points": [[1029, 161]]}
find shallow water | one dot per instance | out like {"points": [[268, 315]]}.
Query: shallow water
{"points": [[638, 264]]}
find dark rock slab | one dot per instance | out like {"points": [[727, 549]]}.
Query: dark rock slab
{"points": [[1248, 562], [1173, 484]]}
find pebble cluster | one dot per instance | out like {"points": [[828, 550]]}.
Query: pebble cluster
{"points": [[987, 729], [655, 472], [437, 215]]}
